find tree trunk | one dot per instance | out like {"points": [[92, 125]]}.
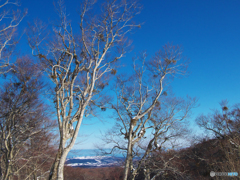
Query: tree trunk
{"points": [[57, 169], [61, 164], [129, 153], [54, 168], [132, 177], [8, 170], [146, 174], [6, 173]]}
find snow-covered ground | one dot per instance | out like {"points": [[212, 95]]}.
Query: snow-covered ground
{"points": [[95, 161], [88, 158]]}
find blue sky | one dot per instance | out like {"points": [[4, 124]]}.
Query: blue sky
{"points": [[208, 32]]}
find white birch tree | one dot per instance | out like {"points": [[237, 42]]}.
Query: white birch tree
{"points": [[77, 63], [142, 106]]}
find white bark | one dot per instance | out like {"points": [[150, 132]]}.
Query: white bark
{"points": [[77, 67], [129, 154]]}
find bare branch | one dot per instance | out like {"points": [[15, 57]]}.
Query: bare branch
{"points": [[7, 31]]}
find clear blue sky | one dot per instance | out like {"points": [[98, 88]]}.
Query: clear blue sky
{"points": [[207, 30]]}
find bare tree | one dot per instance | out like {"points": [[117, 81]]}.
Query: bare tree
{"points": [[22, 115], [156, 158], [78, 63], [224, 131], [144, 110], [164, 164], [221, 123], [9, 21], [36, 157]]}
